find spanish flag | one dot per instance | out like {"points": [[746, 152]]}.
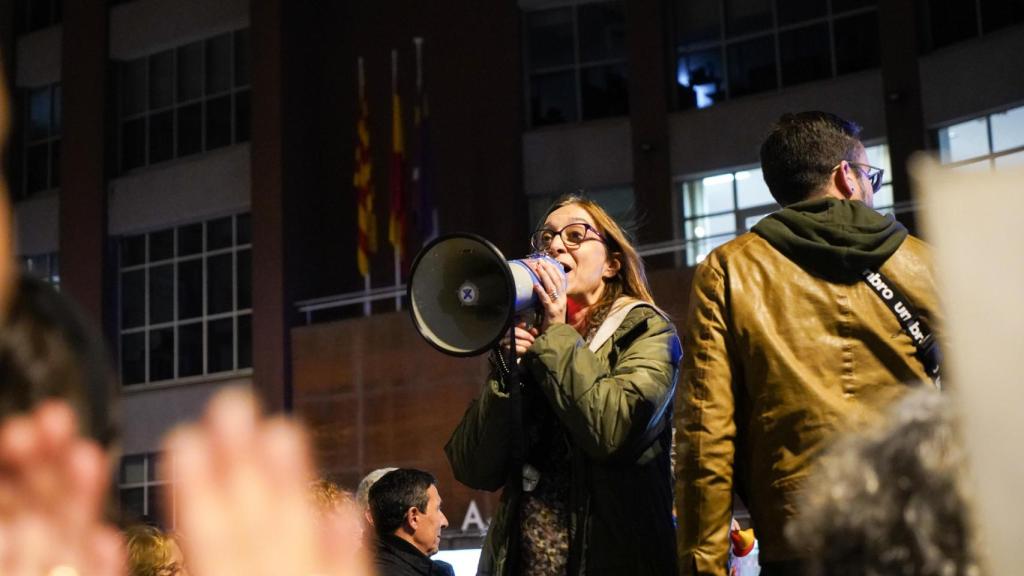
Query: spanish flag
{"points": [[362, 180], [396, 224]]}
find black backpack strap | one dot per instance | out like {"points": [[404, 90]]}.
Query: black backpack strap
{"points": [[913, 325]]}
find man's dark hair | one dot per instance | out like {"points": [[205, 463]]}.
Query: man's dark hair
{"points": [[801, 150], [48, 350], [396, 492]]}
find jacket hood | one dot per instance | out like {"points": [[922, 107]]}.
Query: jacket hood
{"points": [[832, 238]]}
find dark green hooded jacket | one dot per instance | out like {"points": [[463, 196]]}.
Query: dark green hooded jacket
{"points": [[615, 408]]}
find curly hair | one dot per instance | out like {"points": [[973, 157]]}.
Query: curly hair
{"points": [[327, 497], [893, 500], [150, 551]]}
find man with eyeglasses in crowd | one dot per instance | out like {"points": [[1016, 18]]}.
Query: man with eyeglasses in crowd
{"points": [[787, 343]]}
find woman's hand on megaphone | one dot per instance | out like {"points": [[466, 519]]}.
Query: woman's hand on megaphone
{"points": [[549, 293], [525, 335]]}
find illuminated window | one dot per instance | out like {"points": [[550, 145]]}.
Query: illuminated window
{"points": [[731, 48], [984, 143]]}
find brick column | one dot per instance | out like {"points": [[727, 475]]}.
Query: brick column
{"points": [[83, 190], [270, 341], [648, 114]]}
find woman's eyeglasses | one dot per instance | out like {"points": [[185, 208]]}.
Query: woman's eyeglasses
{"points": [[572, 236]]}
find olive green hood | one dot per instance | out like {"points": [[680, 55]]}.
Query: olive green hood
{"points": [[832, 238]]}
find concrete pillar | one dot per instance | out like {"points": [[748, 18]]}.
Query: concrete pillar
{"points": [[901, 84]]}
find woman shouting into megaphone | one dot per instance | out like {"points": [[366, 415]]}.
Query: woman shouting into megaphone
{"points": [[587, 475]]}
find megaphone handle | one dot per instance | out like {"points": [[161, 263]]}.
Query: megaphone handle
{"points": [[503, 365], [514, 388]]}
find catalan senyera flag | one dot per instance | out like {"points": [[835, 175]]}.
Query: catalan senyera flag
{"points": [[363, 182], [396, 224]]}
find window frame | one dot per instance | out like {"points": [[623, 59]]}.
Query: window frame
{"points": [[25, 9], [203, 319], [52, 140], [234, 91], [724, 41], [576, 67], [991, 156], [150, 481]]}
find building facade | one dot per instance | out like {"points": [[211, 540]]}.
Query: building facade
{"points": [[183, 169]]}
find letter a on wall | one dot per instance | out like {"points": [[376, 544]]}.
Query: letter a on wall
{"points": [[473, 519]]}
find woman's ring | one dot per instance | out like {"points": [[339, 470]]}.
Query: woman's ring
{"points": [[554, 294]]}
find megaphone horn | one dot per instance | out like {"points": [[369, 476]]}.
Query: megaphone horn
{"points": [[463, 293]]}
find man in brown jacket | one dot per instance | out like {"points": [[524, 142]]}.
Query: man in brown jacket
{"points": [[787, 344]]}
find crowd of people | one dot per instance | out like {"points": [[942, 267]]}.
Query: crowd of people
{"points": [[619, 446]]}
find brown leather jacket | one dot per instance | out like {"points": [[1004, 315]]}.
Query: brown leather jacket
{"points": [[776, 360]]}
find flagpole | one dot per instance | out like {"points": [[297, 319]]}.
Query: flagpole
{"points": [[418, 41], [397, 249], [367, 307], [431, 218]]}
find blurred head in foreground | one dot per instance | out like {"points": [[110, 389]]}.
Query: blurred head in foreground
{"points": [[49, 350], [893, 500]]}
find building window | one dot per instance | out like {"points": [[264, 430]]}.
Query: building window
{"points": [[732, 48], [35, 15], [46, 267], [40, 167], [576, 63], [144, 487], [720, 207], [183, 101], [186, 301], [984, 143], [946, 22]]}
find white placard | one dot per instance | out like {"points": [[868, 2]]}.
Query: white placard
{"points": [[973, 220]]}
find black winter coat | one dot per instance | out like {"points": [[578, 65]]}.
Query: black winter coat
{"points": [[396, 557]]}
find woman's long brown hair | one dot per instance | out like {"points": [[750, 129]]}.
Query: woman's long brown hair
{"points": [[630, 280]]}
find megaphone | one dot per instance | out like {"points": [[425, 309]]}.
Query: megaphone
{"points": [[463, 293]]}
